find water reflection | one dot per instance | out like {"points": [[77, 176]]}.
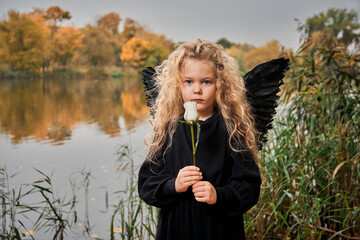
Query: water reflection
{"points": [[48, 110]]}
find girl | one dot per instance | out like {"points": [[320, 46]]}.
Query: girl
{"points": [[206, 201]]}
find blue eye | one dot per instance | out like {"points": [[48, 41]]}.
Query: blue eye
{"points": [[206, 82], [188, 82]]}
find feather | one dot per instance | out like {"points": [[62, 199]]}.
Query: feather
{"points": [[149, 82], [262, 84]]}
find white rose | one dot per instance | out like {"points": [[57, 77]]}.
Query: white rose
{"points": [[191, 114]]}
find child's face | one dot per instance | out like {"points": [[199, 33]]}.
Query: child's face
{"points": [[199, 85]]}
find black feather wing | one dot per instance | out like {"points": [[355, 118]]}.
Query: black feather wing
{"points": [[149, 82], [262, 84]]}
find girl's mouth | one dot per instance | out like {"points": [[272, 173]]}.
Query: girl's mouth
{"points": [[197, 100]]}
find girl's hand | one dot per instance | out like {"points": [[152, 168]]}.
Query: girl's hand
{"points": [[186, 177], [204, 192]]}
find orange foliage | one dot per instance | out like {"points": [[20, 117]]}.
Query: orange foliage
{"points": [[48, 44], [23, 42], [262, 54], [235, 52], [55, 13], [97, 46], [52, 16], [135, 52], [131, 29], [110, 22], [66, 41]]}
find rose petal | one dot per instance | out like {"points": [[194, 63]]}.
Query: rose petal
{"points": [[191, 114]]}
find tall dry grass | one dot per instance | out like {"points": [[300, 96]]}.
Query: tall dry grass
{"points": [[311, 162]]}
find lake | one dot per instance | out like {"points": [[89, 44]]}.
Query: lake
{"points": [[67, 128]]}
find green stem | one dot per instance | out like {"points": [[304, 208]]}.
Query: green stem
{"points": [[193, 144]]}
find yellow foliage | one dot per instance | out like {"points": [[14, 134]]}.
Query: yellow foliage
{"points": [[55, 13], [135, 52], [161, 47], [262, 54], [110, 22], [46, 32], [132, 28], [35, 40], [24, 41], [97, 46], [66, 41], [235, 52]]}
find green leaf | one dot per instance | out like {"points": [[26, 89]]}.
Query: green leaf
{"points": [[17, 235]]}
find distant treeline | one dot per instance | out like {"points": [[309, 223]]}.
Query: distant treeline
{"points": [[36, 42]]}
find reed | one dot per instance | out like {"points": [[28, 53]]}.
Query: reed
{"points": [[132, 218], [56, 216], [311, 162], [9, 207]]}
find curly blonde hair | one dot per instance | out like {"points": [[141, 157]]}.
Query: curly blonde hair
{"points": [[230, 98]]}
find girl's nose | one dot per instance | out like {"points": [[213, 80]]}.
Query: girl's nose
{"points": [[197, 88]]}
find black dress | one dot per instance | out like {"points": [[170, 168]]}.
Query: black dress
{"points": [[235, 177]]}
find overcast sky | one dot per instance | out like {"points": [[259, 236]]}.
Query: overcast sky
{"points": [[240, 21]]}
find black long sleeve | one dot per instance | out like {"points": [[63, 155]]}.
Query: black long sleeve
{"points": [[242, 189], [156, 187], [235, 177]]}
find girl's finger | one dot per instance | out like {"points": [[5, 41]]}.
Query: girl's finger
{"points": [[200, 194], [191, 168], [199, 184], [194, 180], [191, 173], [199, 190], [186, 177], [188, 184]]}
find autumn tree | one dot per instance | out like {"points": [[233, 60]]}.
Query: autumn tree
{"points": [[135, 52], [131, 29], [157, 46], [24, 42], [110, 22], [157, 55], [235, 50], [238, 52], [65, 43], [160, 47], [55, 15], [340, 23], [38, 16], [262, 54], [98, 46]]}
